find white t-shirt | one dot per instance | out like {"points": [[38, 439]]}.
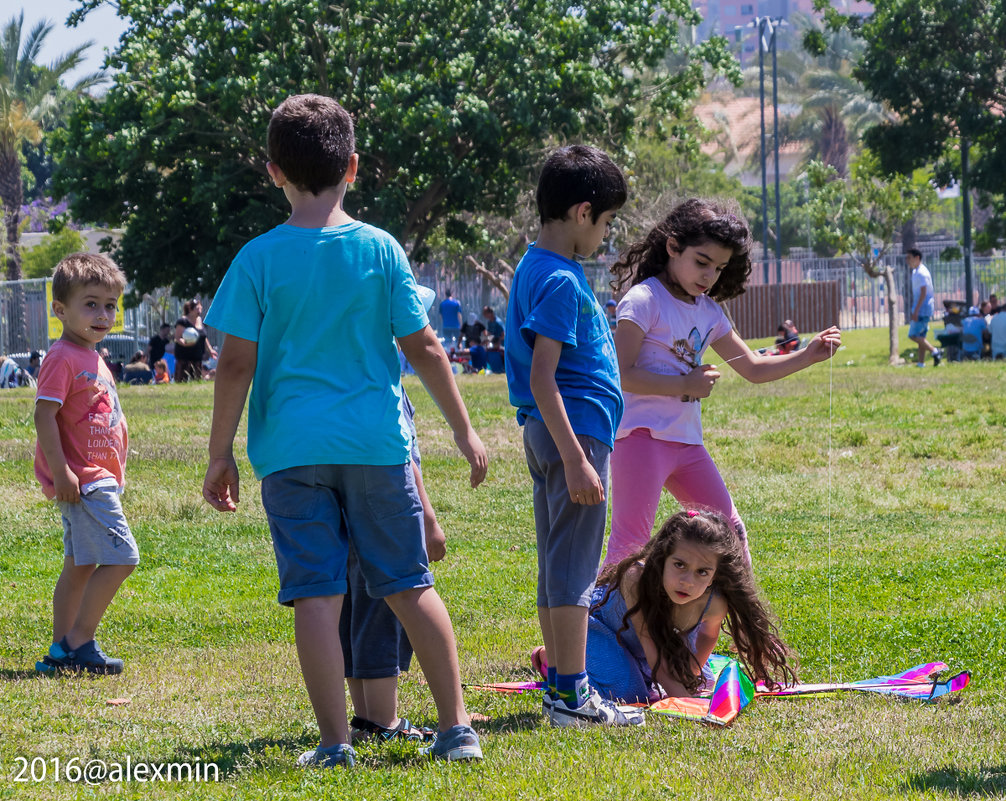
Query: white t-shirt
{"points": [[675, 335], [921, 278]]}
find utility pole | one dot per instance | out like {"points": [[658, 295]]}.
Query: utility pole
{"points": [[769, 25]]}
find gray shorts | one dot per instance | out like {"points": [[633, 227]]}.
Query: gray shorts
{"points": [[569, 535], [95, 531]]}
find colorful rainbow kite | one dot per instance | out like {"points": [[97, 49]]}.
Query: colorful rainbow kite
{"points": [[734, 690]]}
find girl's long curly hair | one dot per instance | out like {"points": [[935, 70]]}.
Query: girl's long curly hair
{"points": [[748, 622], [692, 222]]}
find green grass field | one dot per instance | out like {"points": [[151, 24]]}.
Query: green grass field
{"points": [[875, 499]]}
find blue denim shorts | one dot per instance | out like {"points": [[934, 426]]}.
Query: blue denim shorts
{"points": [[374, 643], [95, 531], [315, 512], [569, 535], [918, 328]]}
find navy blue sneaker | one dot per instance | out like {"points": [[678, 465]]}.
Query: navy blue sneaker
{"points": [[458, 742], [338, 755], [87, 657]]}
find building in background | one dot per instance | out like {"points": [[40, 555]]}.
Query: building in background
{"points": [[723, 17]]}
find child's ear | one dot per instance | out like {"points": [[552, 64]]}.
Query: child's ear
{"points": [[59, 309], [673, 248], [354, 163], [276, 174], [584, 213]]}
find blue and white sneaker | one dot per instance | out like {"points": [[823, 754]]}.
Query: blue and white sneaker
{"points": [[338, 755], [595, 710], [457, 743]]}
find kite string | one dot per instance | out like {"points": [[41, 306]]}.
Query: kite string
{"points": [[831, 387]]}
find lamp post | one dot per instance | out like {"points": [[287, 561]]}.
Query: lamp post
{"points": [[767, 27]]}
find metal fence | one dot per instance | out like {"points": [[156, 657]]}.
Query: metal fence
{"points": [[861, 304], [24, 322], [861, 299]]}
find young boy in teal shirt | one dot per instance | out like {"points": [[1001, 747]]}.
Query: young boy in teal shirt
{"points": [[563, 377], [310, 311]]}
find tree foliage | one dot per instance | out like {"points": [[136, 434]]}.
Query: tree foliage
{"points": [[941, 67], [453, 102], [862, 217]]}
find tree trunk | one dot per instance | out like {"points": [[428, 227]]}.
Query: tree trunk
{"points": [[892, 322], [908, 235], [12, 196]]}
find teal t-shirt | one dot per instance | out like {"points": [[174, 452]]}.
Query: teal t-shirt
{"points": [[324, 306]]}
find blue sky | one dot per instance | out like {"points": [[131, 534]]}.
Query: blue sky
{"points": [[101, 26]]}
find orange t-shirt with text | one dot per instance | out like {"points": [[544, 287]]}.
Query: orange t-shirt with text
{"points": [[92, 427]]}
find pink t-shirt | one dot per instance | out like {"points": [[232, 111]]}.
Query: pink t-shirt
{"points": [[92, 428], [675, 335]]}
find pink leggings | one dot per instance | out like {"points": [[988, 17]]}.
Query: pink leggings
{"points": [[640, 466]]}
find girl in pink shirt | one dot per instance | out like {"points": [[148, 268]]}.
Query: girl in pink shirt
{"points": [[697, 256]]}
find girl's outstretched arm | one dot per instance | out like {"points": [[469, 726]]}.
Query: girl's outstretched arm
{"points": [[628, 340], [760, 369]]}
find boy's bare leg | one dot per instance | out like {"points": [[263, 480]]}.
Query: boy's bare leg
{"points": [[66, 596], [316, 629], [98, 593], [375, 700], [569, 633], [426, 621]]}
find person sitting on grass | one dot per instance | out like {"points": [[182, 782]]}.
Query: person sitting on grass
{"points": [[325, 427], [657, 614], [80, 461], [787, 339], [161, 374]]}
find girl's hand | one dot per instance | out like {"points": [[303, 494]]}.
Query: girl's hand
{"points": [[699, 382], [824, 345]]}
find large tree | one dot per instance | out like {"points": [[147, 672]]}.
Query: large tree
{"points": [[941, 67], [861, 217], [452, 100]]}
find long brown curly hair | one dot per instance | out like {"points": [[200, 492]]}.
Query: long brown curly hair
{"points": [[748, 622], [692, 222]]}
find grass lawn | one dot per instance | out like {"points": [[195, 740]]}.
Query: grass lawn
{"points": [[875, 500]]}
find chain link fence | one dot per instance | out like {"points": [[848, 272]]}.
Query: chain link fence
{"points": [[24, 322]]}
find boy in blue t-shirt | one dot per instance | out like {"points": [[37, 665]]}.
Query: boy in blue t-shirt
{"points": [[310, 310], [563, 378]]}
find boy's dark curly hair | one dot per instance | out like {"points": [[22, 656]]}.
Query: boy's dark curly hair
{"points": [[748, 621], [691, 222]]}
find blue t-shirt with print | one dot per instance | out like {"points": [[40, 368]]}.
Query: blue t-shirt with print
{"points": [[323, 306], [550, 296]]}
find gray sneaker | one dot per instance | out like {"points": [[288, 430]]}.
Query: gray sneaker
{"points": [[458, 742], [596, 710], [338, 755]]}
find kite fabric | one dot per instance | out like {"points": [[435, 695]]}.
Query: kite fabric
{"points": [[733, 690]]}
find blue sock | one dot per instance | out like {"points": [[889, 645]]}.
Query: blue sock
{"points": [[572, 688], [551, 681]]}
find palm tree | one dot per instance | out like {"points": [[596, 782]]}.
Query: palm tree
{"points": [[832, 108], [29, 96]]}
